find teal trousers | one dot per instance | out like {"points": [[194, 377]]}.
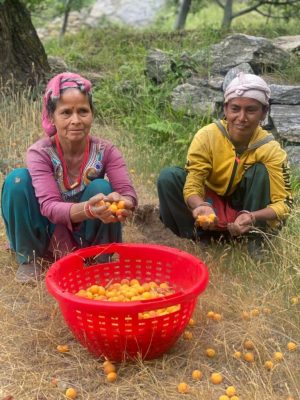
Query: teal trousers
{"points": [[29, 232], [253, 193]]}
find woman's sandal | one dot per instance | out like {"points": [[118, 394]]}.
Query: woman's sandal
{"points": [[29, 272]]}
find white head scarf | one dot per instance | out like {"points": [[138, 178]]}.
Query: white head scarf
{"points": [[248, 85]]}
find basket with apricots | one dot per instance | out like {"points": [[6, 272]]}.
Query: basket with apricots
{"points": [[136, 305]]}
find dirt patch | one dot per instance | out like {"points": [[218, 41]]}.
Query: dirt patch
{"points": [[146, 227]]}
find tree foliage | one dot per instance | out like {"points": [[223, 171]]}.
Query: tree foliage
{"points": [[276, 9], [57, 6], [267, 8]]}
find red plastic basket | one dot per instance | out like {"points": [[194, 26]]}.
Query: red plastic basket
{"points": [[114, 329]]}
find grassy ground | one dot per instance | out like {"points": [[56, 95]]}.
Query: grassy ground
{"points": [[259, 301]]}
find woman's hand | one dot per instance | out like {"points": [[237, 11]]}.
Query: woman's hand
{"points": [[241, 225], [203, 216], [99, 207]]}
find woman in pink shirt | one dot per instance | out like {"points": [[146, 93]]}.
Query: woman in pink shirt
{"points": [[52, 206]]}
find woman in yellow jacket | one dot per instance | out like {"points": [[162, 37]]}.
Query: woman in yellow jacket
{"points": [[236, 173]]}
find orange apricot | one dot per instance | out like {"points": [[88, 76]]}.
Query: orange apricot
{"points": [[237, 355], [269, 365], [183, 387], [210, 352], [216, 378], [248, 344], [217, 317], [121, 204], [211, 218], [291, 346], [201, 219], [188, 335], [197, 375], [255, 312], [249, 357], [62, 348], [111, 377], [295, 300], [231, 391], [278, 356], [109, 368], [113, 207], [210, 314], [71, 393]]}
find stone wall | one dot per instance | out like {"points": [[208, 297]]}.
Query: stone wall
{"points": [[199, 95]]}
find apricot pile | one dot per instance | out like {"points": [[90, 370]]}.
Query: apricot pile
{"points": [[115, 207], [131, 290]]}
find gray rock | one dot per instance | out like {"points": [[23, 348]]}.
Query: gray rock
{"points": [[236, 49], [158, 65], [195, 100], [213, 82], [57, 65], [288, 43], [196, 80], [281, 94], [233, 72], [216, 82], [286, 120], [130, 12]]}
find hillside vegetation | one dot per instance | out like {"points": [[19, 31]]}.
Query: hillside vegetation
{"points": [[124, 96]]}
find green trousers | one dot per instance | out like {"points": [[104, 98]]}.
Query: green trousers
{"points": [[253, 193], [29, 232]]}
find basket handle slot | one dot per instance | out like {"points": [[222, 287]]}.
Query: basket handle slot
{"points": [[99, 254], [101, 258]]}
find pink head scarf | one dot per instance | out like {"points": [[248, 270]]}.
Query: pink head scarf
{"points": [[53, 92], [248, 85]]}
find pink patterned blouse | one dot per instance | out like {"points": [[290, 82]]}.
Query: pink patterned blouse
{"points": [[105, 161]]}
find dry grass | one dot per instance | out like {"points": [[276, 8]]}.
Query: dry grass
{"points": [[32, 326]]}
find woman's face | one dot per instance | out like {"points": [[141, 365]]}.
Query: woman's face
{"points": [[73, 116], [243, 116]]}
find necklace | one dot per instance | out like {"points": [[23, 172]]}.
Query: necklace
{"points": [[64, 165]]}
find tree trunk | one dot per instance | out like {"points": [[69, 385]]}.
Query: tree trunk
{"points": [[23, 58], [66, 17], [227, 17], [182, 14]]}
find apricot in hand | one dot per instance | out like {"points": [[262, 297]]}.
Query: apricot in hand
{"points": [[115, 207], [206, 219]]}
